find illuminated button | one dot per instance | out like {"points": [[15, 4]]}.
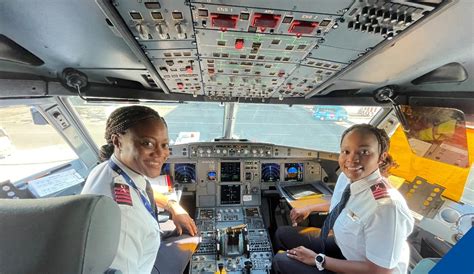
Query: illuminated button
{"points": [[302, 27], [264, 20], [239, 43], [180, 85], [224, 21], [189, 69]]}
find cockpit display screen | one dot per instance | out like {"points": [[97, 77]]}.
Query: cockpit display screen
{"points": [[230, 172], [294, 172], [185, 173], [270, 172], [230, 194]]}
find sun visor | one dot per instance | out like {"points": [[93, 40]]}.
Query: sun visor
{"points": [[411, 166], [11, 51]]}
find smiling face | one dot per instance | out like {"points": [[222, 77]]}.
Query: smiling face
{"points": [[360, 154], [144, 147]]}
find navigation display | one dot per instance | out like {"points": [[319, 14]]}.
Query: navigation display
{"points": [[230, 172], [294, 172], [230, 194], [270, 172], [185, 173]]}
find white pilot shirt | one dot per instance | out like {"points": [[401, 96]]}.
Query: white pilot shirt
{"points": [[139, 234], [375, 223]]}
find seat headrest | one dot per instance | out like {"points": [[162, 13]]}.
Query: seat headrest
{"points": [[74, 234]]}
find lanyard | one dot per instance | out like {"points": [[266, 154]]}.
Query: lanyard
{"points": [[129, 180]]}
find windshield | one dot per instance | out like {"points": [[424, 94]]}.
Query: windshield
{"points": [[187, 122], [299, 125], [296, 126], [28, 147]]}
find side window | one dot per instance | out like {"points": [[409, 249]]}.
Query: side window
{"points": [[28, 144]]}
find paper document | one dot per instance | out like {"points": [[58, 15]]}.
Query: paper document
{"points": [[53, 183]]}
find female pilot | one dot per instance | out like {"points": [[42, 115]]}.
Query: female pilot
{"points": [[370, 220], [137, 147]]}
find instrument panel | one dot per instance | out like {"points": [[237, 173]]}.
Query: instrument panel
{"points": [[228, 179], [235, 173]]}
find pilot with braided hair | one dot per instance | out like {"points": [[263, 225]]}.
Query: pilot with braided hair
{"points": [[137, 147], [370, 220]]}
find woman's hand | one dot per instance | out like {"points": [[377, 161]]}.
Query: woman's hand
{"points": [[302, 254], [184, 222], [297, 215], [181, 218]]}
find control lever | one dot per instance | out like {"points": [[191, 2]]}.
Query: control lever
{"points": [[221, 268], [247, 267]]}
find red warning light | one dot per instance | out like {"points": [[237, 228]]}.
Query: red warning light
{"points": [[224, 21], [180, 85], [239, 43], [264, 20], [302, 27], [189, 69]]}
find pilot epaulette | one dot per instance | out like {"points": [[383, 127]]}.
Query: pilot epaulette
{"points": [[122, 194], [379, 190]]}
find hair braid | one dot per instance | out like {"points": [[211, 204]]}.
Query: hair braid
{"points": [[122, 119]]}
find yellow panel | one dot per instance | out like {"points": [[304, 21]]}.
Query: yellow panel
{"points": [[451, 177]]}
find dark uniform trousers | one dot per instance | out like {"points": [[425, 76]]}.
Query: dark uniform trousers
{"points": [[175, 251], [288, 237]]}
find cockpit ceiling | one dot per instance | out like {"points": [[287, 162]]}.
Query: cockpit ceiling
{"points": [[220, 49]]}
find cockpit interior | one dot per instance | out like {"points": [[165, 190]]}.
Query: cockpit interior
{"points": [[256, 96]]}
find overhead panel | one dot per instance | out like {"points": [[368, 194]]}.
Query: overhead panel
{"points": [[336, 54], [320, 6], [305, 78], [261, 49], [165, 32], [249, 51]]}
